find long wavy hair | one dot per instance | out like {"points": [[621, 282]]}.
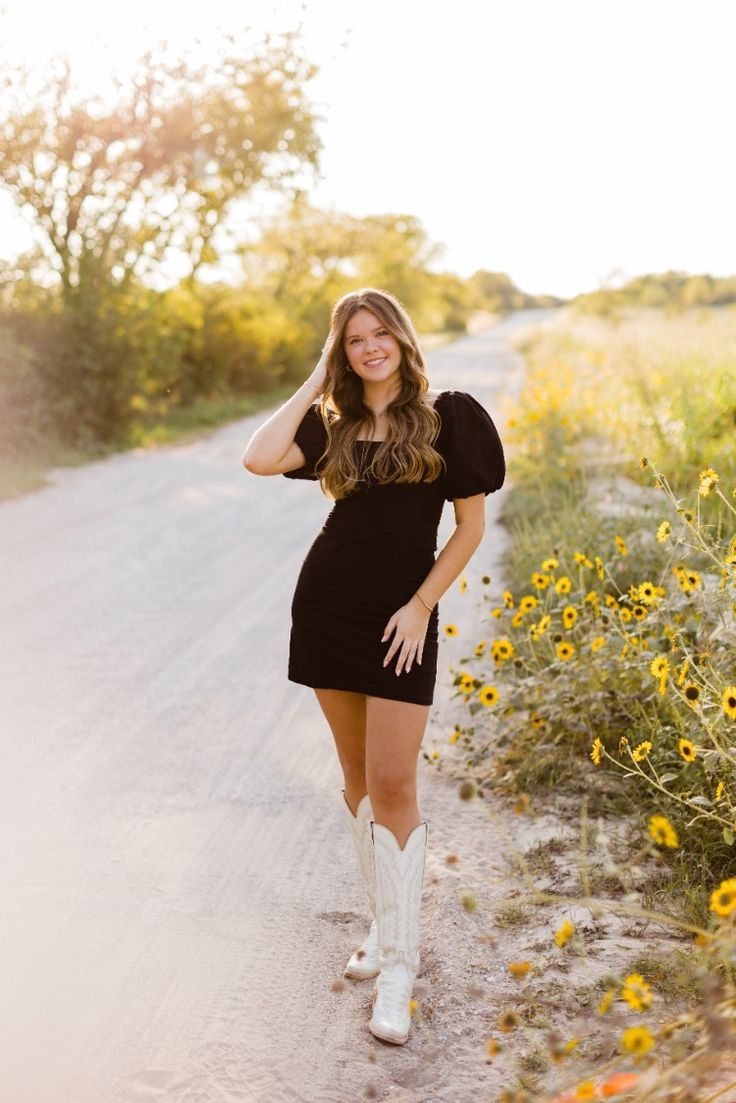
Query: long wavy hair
{"points": [[406, 455]]}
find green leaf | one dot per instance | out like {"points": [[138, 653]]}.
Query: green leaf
{"points": [[728, 836]]}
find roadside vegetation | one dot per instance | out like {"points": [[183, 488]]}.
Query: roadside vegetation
{"points": [[603, 688]]}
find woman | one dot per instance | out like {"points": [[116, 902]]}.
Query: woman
{"points": [[389, 452]]}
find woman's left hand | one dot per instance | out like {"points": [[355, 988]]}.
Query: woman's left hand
{"points": [[410, 622]]}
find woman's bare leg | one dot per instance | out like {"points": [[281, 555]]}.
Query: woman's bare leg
{"points": [[394, 732], [345, 714]]}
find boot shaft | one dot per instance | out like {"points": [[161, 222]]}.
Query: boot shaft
{"points": [[399, 874]]}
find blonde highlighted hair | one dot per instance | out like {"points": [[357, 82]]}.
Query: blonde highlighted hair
{"points": [[406, 455]]}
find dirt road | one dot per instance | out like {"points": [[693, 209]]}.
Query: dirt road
{"points": [[179, 889]]}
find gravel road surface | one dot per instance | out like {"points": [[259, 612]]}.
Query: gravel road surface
{"points": [[179, 889]]}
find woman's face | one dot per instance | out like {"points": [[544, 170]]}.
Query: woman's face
{"points": [[373, 352]]}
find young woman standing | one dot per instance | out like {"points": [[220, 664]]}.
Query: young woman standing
{"points": [[389, 452]]}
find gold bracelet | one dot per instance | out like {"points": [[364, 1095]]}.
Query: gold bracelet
{"points": [[423, 601]]}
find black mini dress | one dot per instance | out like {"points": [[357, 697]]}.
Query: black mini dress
{"points": [[374, 551]]}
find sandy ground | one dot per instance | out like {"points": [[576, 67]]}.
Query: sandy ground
{"points": [[179, 889]]}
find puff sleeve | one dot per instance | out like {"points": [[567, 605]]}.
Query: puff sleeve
{"points": [[474, 455], [311, 436]]}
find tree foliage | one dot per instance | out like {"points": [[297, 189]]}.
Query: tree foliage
{"points": [[111, 187]]}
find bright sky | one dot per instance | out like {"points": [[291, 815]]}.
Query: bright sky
{"points": [[560, 142]]}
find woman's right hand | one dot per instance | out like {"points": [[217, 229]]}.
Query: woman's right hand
{"points": [[318, 378]]}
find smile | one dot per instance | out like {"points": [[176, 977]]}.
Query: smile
{"points": [[375, 363]]}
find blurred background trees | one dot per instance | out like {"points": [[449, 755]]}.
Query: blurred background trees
{"points": [[146, 288]]}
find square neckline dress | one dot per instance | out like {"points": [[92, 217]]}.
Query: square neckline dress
{"points": [[373, 552]]}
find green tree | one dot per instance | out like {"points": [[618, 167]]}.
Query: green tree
{"points": [[110, 188]]}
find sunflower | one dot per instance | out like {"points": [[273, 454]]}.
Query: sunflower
{"points": [[687, 750], [597, 643], [641, 752], [621, 546], [708, 480], [723, 899], [466, 683], [664, 531], [488, 695], [645, 593], [529, 601], [508, 599], [502, 649], [450, 629], [663, 832], [519, 969], [729, 701], [637, 992], [689, 580], [540, 581], [564, 932], [563, 585], [637, 1039], [596, 751], [569, 616], [587, 1090], [691, 693], [659, 666], [565, 650], [550, 564]]}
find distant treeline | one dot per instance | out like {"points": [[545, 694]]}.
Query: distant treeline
{"points": [[98, 364], [670, 290]]}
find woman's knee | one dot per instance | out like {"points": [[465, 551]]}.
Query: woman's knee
{"points": [[391, 786]]}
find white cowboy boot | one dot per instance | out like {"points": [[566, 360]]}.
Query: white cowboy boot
{"points": [[364, 962], [399, 876]]}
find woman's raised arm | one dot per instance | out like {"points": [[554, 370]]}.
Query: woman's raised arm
{"points": [[271, 440]]}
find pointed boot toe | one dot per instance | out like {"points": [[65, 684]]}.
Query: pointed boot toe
{"points": [[391, 1018]]}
